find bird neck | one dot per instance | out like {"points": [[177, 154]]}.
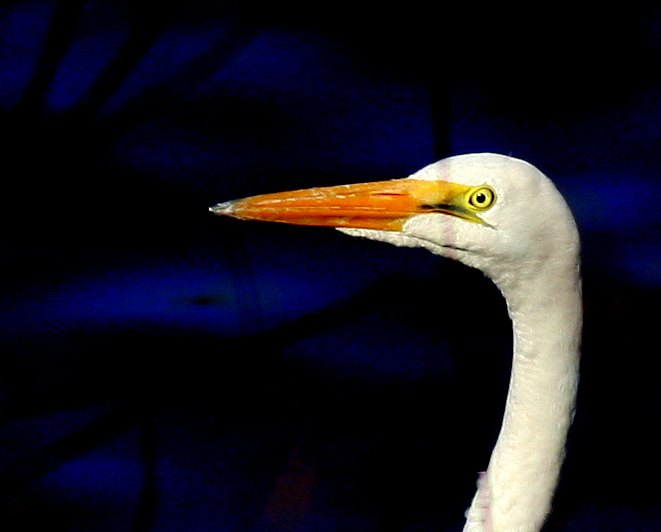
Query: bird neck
{"points": [[516, 492]]}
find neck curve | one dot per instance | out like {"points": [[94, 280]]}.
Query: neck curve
{"points": [[515, 493]]}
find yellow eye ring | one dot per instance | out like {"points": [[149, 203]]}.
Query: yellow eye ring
{"points": [[481, 198]]}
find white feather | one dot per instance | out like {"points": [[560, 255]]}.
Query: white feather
{"points": [[530, 249]]}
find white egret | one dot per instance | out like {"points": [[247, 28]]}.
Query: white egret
{"points": [[504, 217]]}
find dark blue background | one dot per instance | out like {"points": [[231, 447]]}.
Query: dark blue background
{"points": [[167, 370]]}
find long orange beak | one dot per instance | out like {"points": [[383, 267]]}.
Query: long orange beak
{"points": [[384, 205]]}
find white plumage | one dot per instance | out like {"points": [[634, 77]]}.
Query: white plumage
{"points": [[502, 216]]}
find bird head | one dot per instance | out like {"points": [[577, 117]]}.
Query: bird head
{"points": [[492, 212]]}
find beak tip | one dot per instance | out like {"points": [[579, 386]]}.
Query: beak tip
{"points": [[223, 209]]}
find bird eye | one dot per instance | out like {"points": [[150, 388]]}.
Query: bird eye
{"points": [[481, 198]]}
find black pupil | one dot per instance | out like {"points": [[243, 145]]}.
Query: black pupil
{"points": [[480, 197]]}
